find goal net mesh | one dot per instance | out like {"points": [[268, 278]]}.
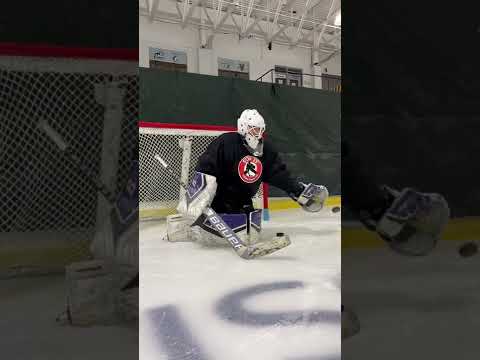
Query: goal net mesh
{"points": [[48, 213]]}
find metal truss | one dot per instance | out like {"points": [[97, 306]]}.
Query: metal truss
{"points": [[294, 23]]}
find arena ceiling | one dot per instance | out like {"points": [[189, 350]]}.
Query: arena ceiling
{"points": [[313, 24]]}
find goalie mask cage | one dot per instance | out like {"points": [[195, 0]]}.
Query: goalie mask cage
{"points": [[50, 213], [180, 145]]}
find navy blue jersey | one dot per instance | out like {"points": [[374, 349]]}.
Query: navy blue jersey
{"points": [[239, 173]]}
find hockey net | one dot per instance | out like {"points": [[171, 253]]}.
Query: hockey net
{"points": [[49, 212], [180, 145]]}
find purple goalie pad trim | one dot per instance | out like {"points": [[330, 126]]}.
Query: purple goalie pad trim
{"points": [[236, 222], [198, 183], [256, 219], [310, 191], [408, 204]]}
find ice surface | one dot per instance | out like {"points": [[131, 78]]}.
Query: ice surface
{"points": [[412, 308], [201, 302], [29, 307]]}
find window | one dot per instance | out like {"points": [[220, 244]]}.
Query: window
{"points": [[169, 60], [233, 68], [332, 83], [288, 76]]}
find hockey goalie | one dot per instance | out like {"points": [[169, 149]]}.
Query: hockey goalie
{"points": [[227, 176]]}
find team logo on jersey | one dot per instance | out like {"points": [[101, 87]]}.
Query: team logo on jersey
{"points": [[250, 169]]}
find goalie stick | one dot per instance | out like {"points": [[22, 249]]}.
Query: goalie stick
{"points": [[68, 151], [90, 176], [122, 217], [246, 252], [112, 200]]}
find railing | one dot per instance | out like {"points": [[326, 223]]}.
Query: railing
{"points": [[329, 82], [271, 71]]}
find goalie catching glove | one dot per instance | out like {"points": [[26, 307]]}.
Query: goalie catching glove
{"points": [[312, 198], [413, 222]]}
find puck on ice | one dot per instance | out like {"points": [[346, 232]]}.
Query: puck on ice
{"points": [[336, 209], [280, 234], [468, 249]]}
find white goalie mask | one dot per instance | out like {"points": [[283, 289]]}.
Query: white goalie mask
{"points": [[251, 126]]}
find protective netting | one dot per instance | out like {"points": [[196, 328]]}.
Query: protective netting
{"points": [[48, 211], [180, 148]]}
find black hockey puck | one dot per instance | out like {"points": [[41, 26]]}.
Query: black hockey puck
{"points": [[280, 234], [468, 249], [336, 209]]}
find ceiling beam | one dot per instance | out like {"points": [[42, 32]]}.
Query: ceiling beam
{"points": [[261, 29], [288, 5], [251, 26], [324, 25], [154, 9], [219, 10], [171, 18], [188, 13], [247, 15], [329, 15], [277, 11], [218, 24], [184, 12], [280, 31], [328, 57], [147, 3], [236, 24], [299, 28], [333, 38], [208, 15], [261, 22], [306, 37]]}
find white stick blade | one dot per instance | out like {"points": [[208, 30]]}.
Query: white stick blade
{"points": [[164, 164], [52, 134]]}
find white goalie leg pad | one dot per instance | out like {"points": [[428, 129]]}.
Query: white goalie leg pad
{"points": [[93, 290], [199, 195], [206, 234], [178, 228]]}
